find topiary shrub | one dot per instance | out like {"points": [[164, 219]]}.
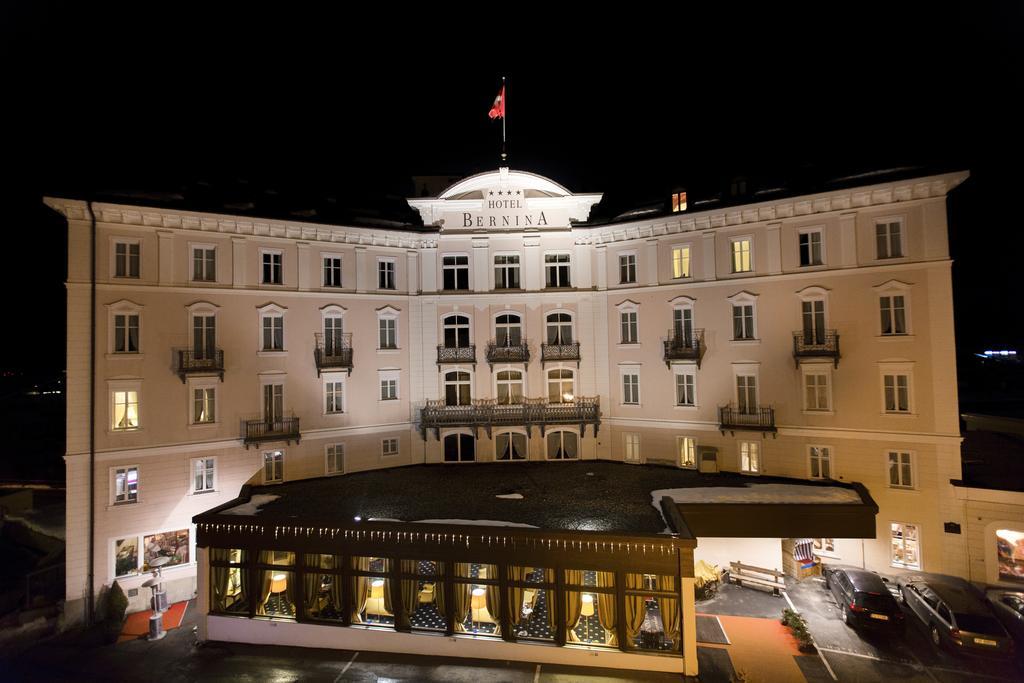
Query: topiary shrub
{"points": [[115, 605], [798, 625]]}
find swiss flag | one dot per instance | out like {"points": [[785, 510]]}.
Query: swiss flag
{"points": [[498, 108]]}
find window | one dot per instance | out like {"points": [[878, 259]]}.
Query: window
{"points": [[457, 388], [334, 396], [389, 446], [901, 470], [897, 393], [686, 381], [125, 410], [741, 261], [204, 336], [1011, 564], [561, 387], [628, 333], [810, 248], [204, 472], [509, 446], [893, 309], [126, 258], [388, 384], [459, 448], [126, 333], [681, 261], [334, 335], [273, 331], [888, 239], [627, 268], [508, 330], [686, 447], [750, 457], [682, 326], [746, 394], [385, 273], [506, 271], [559, 327], [820, 462], [456, 331], [556, 270], [631, 387], [273, 267], [510, 387], [563, 445], [678, 202], [204, 400], [906, 548], [387, 329], [125, 485], [743, 321], [273, 403], [816, 390], [204, 263], [273, 466], [334, 454], [332, 271], [631, 446], [455, 272], [812, 314]]}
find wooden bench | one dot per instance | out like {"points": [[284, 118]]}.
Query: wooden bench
{"points": [[747, 574]]}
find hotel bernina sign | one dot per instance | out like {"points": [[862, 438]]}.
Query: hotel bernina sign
{"points": [[506, 209]]}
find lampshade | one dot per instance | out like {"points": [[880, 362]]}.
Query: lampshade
{"points": [[481, 573], [377, 589], [479, 599], [567, 397], [587, 609], [278, 583]]}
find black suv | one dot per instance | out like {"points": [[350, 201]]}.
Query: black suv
{"points": [[864, 599]]}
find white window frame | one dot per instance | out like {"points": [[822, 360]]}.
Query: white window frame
{"points": [[518, 267], [509, 382], [627, 308], [381, 260], [684, 370], [459, 432], [323, 270], [746, 370], [888, 220], [624, 372], [385, 451], [336, 449], [828, 459], [268, 251], [263, 465], [113, 387], [911, 460], [192, 475], [203, 383], [513, 431], [113, 485], [631, 444], [126, 308], [678, 201], [272, 310], [445, 383], [897, 369], [468, 325], [567, 264], [687, 271], [388, 375], [743, 299], [455, 268], [816, 230], [114, 241], [392, 314], [334, 378], [273, 379], [890, 289], [510, 312], [563, 430], [733, 241], [572, 323], [625, 255], [573, 377], [758, 459], [682, 442], [205, 309], [817, 370], [920, 554], [192, 246]]}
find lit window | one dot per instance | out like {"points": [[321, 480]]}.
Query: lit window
{"points": [[506, 271], [894, 314], [685, 388], [631, 446], [455, 272], [332, 271], [897, 393], [678, 202], [888, 239], [126, 485], [126, 333], [750, 457], [687, 449], [273, 268], [389, 446], [741, 262], [631, 388], [1008, 541], [556, 270], [627, 268], [561, 386], [203, 405], [335, 458], [810, 248], [906, 548], [821, 462], [126, 410], [273, 466], [385, 274], [126, 259], [204, 264], [681, 262], [901, 470], [204, 471], [816, 392]]}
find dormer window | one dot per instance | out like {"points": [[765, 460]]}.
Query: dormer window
{"points": [[678, 202]]}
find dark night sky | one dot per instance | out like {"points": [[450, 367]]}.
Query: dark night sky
{"points": [[354, 105]]}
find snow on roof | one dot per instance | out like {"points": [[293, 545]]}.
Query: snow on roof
{"points": [[758, 493], [252, 507]]}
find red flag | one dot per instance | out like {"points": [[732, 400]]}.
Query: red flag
{"points": [[498, 108]]}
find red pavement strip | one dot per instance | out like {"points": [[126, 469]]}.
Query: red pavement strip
{"points": [[137, 625]]}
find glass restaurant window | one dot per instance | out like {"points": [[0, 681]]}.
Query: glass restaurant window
{"points": [[277, 585], [229, 581], [423, 594], [322, 587], [477, 599], [653, 612], [590, 616], [371, 591], [531, 601]]}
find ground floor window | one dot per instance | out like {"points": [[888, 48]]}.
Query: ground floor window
{"points": [[750, 457], [477, 599], [653, 615], [590, 607], [423, 594], [563, 446], [322, 587], [532, 602], [510, 446], [687, 448], [459, 448], [906, 545], [1010, 555], [229, 584], [371, 591]]}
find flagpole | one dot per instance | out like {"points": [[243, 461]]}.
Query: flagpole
{"points": [[504, 107]]}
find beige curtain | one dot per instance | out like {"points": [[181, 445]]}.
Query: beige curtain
{"points": [[670, 616], [388, 607], [360, 589], [635, 610], [463, 596], [266, 557], [493, 596], [410, 588], [311, 582], [219, 581], [573, 603], [515, 602], [606, 606], [439, 591]]}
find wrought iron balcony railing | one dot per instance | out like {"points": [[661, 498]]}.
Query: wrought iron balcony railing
{"points": [[200, 362], [488, 413], [333, 352], [751, 419], [812, 344], [456, 354], [507, 353], [682, 346], [274, 429], [555, 352]]}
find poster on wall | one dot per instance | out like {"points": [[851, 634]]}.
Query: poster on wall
{"points": [[126, 556], [170, 544], [1010, 554]]}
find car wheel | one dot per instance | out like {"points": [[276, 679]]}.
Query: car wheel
{"points": [[936, 637], [828, 586], [847, 619]]}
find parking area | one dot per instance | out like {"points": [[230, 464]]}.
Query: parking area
{"points": [[855, 656]]}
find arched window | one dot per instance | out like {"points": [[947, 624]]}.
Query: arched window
{"points": [[456, 388], [563, 446], [456, 331], [509, 446], [510, 387], [508, 330], [561, 386], [459, 448], [559, 328]]}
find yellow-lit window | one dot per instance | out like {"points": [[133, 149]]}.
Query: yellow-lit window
{"points": [[680, 262], [126, 410], [678, 202], [741, 256]]}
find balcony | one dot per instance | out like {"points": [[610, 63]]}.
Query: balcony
{"points": [[488, 413], [262, 430], [333, 353], [456, 354], [507, 353], [556, 352], [192, 362], [680, 346], [808, 345], [753, 419]]}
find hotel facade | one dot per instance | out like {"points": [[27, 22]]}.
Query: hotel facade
{"points": [[804, 341]]}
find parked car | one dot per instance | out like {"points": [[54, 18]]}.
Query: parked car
{"points": [[864, 599], [1008, 607], [957, 615]]}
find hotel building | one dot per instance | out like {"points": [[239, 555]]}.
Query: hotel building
{"points": [[518, 424]]}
